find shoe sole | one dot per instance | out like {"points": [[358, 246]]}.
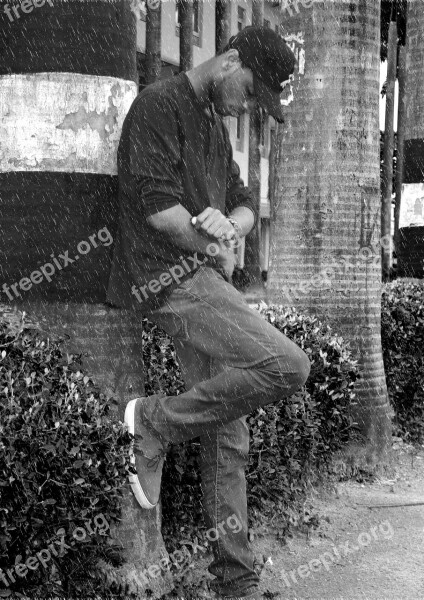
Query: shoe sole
{"points": [[129, 420]]}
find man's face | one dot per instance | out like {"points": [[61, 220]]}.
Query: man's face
{"points": [[234, 94]]}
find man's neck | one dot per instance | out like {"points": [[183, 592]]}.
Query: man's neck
{"points": [[201, 82]]}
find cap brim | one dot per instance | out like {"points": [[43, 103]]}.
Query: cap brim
{"points": [[269, 100]]}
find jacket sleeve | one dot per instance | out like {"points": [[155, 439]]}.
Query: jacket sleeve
{"points": [[237, 193], [154, 154]]}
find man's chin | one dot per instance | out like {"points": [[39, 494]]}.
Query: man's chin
{"points": [[222, 111], [227, 113]]}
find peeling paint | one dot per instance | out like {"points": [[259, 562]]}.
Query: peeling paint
{"points": [[104, 122], [298, 37], [295, 41], [62, 122]]}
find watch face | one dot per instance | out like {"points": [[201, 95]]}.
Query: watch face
{"points": [[235, 225]]}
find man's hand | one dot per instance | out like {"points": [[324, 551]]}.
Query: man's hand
{"points": [[227, 260], [213, 223]]}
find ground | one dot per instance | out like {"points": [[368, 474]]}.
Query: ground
{"points": [[384, 557], [357, 552]]}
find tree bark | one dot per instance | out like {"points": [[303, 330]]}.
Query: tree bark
{"points": [[388, 151], [253, 239], [186, 34], [411, 238], [153, 41], [326, 211], [58, 189], [222, 24], [400, 162]]}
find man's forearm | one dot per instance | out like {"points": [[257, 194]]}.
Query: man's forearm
{"points": [[175, 224]]}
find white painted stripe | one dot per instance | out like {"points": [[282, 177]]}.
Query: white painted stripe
{"points": [[62, 122]]}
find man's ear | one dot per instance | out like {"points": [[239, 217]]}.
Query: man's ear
{"points": [[231, 60]]}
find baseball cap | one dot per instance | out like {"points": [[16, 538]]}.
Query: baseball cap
{"points": [[271, 60]]}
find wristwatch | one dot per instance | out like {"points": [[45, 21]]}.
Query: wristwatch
{"points": [[234, 223], [236, 226]]}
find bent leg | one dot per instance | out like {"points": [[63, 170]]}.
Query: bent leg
{"points": [[261, 365]]}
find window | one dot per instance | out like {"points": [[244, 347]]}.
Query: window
{"points": [[262, 142], [267, 23], [265, 135], [197, 21], [241, 18], [240, 133], [238, 128]]}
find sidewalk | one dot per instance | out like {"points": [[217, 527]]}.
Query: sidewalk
{"points": [[357, 553], [373, 564]]}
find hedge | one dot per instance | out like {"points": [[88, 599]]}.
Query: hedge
{"points": [[63, 458], [402, 331], [63, 462]]}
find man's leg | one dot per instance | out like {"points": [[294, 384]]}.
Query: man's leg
{"points": [[223, 458], [261, 365], [225, 455]]}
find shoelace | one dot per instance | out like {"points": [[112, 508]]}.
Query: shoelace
{"points": [[156, 460], [151, 462]]}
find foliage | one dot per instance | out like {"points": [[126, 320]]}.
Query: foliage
{"points": [[63, 462], [292, 442], [402, 330], [63, 459]]}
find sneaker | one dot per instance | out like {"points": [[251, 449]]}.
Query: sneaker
{"points": [[147, 455]]}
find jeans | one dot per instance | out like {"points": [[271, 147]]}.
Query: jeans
{"points": [[233, 362]]}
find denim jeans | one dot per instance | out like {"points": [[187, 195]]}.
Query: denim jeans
{"points": [[232, 361]]}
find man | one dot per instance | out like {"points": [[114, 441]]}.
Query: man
{"points": [[183, 205]]}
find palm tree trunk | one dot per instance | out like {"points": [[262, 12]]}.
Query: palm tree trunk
{"points": [[58, 189], [411, 239], [387, 182], [326, 209], [222, 24], [153, 41], [400, 162], [252, 240], [186, 34]]}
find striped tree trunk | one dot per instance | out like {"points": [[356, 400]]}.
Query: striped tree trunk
{"points": [[411, 239], [153, 41], [325, 246], [400, 162], [252, 240], [388, 151], [222, 23], [186, 35], [62, 105]]}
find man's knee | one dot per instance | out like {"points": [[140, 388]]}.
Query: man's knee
{"points": [[302, 367], [288, 373]]}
